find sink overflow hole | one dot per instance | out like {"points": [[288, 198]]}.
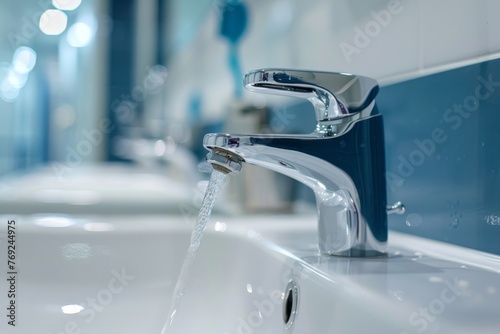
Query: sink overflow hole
{"points": [[290, 304]]}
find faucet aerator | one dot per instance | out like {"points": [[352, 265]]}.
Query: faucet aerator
{"points": [[225, 161]]}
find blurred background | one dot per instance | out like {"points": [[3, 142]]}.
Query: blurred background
{"points": [[116, 95]]}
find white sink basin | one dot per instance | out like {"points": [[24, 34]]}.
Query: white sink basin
{"points": [[119, 273], [95, 189]]}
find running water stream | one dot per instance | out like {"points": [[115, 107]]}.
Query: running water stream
{"points": [[216, 181]]}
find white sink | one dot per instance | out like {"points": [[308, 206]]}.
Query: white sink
{"points": [[122, 271], [95, 189]]}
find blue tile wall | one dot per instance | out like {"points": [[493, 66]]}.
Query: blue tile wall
{"points": [[443, 155]]}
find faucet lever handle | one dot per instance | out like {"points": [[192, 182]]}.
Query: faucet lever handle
{"points": [[333, 95]]}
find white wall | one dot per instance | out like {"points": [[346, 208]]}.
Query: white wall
{"points": [[390, 40]]}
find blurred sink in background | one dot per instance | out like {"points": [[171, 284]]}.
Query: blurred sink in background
{"points": [[96, 189]]}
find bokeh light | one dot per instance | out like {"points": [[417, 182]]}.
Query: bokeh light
{"points": [[53, 22]]}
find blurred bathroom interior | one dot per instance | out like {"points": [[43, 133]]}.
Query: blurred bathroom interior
{"points": [[104, 103]]}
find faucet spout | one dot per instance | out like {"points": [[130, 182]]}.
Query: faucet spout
{"points": [[344, 165], [346, 174]]}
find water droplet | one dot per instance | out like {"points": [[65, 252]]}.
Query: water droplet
{"points": [[455, 223], [492, 219], [414, 219]]}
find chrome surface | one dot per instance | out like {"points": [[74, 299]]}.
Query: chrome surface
{"points": [[333, 95], [397, 208], [345, 169]]}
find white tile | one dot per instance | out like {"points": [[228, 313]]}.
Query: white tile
{"points": [[453, 30], [393, 51], [493, 22], [267, 41], [359, 37]]}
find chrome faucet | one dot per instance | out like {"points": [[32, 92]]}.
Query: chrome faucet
{"points": [[343, 160]]}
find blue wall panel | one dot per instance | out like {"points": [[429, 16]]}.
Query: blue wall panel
{"points": [[443, 155]]}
